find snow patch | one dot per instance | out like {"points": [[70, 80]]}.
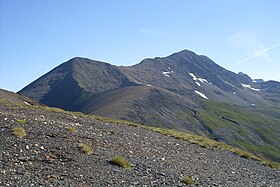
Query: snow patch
{"points": [[253, 104], [198, 79], [203, 80], [250, 87], [234, 93], [149, 85], [201, 94], [166, 73], [193, 76], [197, 83], [26, 103]]}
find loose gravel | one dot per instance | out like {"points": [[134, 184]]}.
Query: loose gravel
{"points": [[49, 155]]}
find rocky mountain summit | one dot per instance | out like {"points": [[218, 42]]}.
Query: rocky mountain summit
{"points": [[184, 91], [42, 146]]}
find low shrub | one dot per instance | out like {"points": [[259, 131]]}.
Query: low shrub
{"points": [[71, 129], [22, 121], [19, 132], [188, 180], [121, 162], [85, 148]]}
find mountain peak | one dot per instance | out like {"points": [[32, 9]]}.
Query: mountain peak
{"points": [[183, 53], [169, 91]]}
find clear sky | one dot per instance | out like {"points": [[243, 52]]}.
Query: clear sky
{"points": [[36, 36]]}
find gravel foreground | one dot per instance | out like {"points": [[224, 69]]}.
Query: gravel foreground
{"points": [[49, 155]]}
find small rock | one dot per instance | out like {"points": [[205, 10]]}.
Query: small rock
{"points": [[135, 183], [116, 170]]}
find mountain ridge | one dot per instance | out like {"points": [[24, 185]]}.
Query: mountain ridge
{"points": [[177, 91]]}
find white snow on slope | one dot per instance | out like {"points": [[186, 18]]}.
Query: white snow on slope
{"points": [[201, 94], [203, 80], [193, 76], [198, 79], [250, 87], [166, 73], [198, 84], [26, 103]]}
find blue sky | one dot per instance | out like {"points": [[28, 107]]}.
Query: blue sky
{"points": [[36, 36]]}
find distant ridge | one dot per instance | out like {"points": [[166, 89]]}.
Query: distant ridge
{"points": [[183, 91]]}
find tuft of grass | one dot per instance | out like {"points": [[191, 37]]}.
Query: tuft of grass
{"points": [[77, 114], [243, 154], [121, 162], [54, 109], [85, 148], [18, 132], [22, 121], [71, 129], [188, 180]]}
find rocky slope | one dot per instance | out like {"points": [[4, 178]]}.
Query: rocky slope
{"points": [[183, 91], [49, 154]]}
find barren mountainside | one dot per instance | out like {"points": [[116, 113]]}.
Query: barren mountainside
{"points": [[183, 91]]}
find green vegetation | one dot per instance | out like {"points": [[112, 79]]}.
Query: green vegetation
{"points": [[224, 119], [266, 149], [121, 162], [187, 117], [18, 132], [85, 148], [71, 129], [77, 114], [53, 109], [22, 121], [188, 180], [206, 142]]}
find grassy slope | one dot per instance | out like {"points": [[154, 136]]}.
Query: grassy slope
{"points": [[252, 131]]}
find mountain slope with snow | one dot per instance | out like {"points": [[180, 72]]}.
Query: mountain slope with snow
{"points": [[178, 92]]}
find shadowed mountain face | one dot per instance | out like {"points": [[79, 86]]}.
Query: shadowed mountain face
{"points": [[183, 91]]}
